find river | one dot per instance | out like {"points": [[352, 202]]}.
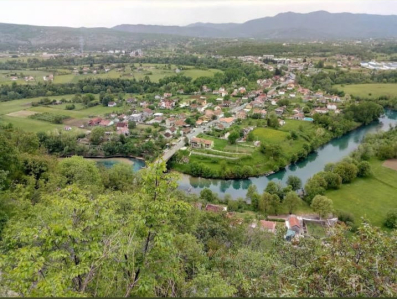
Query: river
{"points": [[333, 151]]}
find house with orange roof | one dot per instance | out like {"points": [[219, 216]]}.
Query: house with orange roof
{"points": [[201, 143]]}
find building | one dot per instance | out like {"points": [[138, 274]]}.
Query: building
{"points": [[95, 121], [269, 226], [215, 208], [201, 143], [293, 223], [227, 122], [112, 104]]}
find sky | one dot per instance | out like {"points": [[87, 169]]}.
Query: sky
{"points": [[108, 13]]}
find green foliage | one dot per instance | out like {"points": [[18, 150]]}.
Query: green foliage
{"points": [[49, 117], [322, 205], [80, 171], [295, 182], [364, 169], [233, 136], [347, 171], [207, 195], [97, 135], [70, 107], [291, 201], [391, 219]]}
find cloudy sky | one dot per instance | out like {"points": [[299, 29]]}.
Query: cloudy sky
{"points": [[108, 13]]}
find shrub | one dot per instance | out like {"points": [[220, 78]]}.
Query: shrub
{"points": [[391, 219]]}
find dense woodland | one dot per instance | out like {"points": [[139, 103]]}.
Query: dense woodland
{"points": [[69, 228]]}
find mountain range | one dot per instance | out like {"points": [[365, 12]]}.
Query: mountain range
{"points": [[286, 26], [289, 26]]}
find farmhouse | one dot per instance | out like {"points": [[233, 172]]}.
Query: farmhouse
{"points": [[112, 104], [201, 143]]}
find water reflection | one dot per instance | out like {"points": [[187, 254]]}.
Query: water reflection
{"points": [[332, 152]]}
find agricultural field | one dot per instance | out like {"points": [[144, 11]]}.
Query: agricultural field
{"points": [[369, 197], [17, 112], [5, 76], [369, 90], [62, 76]]}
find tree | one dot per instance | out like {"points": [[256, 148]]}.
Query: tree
{"points": [[233, 136], [272, 120], [347, 171], [79, 171], [291, 201], [321, 205], [131, 125], [295, 182], [207, 195], [97, 135], [265, 203], [364, 169], [275, 203], [314, 186], [274, 188]]}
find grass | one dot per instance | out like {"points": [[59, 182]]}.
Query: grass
{"points": [[30, 125], [316, 230], [371, 197], [23, 122], [269, 136], [370, 90]]}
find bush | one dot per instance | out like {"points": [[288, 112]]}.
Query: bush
{"points": [[345, 217], [364, 169], [49, 117], [70, 107], [391, 219]]}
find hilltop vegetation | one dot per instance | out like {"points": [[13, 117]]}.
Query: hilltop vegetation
{"points": [[69, 228]]}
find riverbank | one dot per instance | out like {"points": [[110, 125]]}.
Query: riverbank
{"points": [[332, 152], [289, 145]]}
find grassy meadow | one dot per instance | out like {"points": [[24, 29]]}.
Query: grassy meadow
{"points": [[371, 90], [17, 113], [369, 197]]}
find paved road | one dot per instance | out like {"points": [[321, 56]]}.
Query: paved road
{"points": [[181, 143]]}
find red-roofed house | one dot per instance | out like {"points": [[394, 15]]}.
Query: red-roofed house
{"points": [[294, 223], [95, 121], [201, 143], [215, 208], [270, 226]]}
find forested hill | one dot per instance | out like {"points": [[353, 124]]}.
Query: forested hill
{"points": [[288, 26], [13, 36], [284, 26]]}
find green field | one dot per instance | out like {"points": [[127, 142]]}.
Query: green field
{"points": [[369, 90], [30, 125], [269, 136], [20, 119], [370, 197]]}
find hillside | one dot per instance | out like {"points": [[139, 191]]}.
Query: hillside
{"points": [[13, 36], [286, 26]]}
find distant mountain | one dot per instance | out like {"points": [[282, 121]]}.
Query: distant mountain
{"points": [[193, 31], [287, 26], [282, 27], [13, 36]]}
